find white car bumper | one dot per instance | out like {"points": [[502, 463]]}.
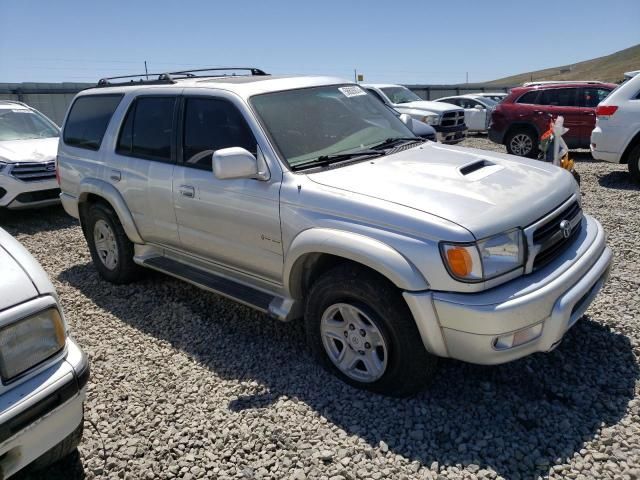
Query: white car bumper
{"points": [[41, 412], [542, 306], [603, 146], [16, 193]]}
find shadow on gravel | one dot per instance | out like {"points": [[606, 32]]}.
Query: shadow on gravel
{"points": [[619, 179], [35, 220], [518, 419], [66, 469]]}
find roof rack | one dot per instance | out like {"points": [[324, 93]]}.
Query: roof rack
{"points": [[553, 82], [171, 77]]}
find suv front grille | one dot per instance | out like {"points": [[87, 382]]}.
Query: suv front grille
{"points": [[549, 239], [34, 171], [452, 119]]}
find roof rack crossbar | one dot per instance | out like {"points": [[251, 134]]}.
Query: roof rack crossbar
{"points": [[169, 77]]}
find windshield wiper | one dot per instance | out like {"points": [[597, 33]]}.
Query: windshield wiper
{"points": [[324, 160], [389, 142]]}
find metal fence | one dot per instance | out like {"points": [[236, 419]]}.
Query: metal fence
{"points": [[53, 99]]}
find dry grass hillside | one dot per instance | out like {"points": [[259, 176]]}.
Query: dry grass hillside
{"points": [[609, 68]]}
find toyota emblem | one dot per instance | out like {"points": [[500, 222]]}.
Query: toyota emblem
{"points": [[565, 228]]}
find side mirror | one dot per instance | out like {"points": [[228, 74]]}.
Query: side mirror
{"points": [[407, 120], [234, 162]]}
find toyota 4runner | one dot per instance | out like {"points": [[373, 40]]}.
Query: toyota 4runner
{"points": [[305, 197]]}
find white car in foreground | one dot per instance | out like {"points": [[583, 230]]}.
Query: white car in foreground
{"points": [[477, 110], [616, 137], [43, 371], [28, 147]]}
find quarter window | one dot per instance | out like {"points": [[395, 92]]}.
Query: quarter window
{"points": [[591, 97], [211, 124], [88, 119], [558, 97], [148, 129]]}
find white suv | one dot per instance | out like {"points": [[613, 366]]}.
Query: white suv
{"points": [[306, 198], [28, 146], [616, 137]]}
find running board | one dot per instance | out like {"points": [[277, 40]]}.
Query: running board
{"points": [[215, 283]]}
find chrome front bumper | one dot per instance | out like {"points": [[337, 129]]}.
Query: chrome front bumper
{"points": [[467, 326]]}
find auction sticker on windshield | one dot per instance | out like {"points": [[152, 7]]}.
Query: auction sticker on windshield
{"points": [[352, 91]]}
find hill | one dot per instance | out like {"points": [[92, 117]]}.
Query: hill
{"points": [[609, 68]]}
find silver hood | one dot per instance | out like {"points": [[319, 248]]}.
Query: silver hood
{"points": [[491, 193], [22, 276], [436, 107], [33, 150]]}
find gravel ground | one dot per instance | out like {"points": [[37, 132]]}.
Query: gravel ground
{"points": [[186, 384]]}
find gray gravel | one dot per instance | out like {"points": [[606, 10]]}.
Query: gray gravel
{"points": [[189, 385]]}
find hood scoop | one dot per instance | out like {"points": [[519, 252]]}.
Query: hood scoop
{"points": [[479, 169]]}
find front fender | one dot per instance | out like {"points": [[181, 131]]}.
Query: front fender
{"points": [[352, 246], [110, 194]]}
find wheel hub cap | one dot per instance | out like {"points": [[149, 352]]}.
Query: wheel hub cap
{"points": [[521, 144], [353, 342], [106, 246]]}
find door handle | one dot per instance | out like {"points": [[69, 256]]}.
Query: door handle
{"points": [[115, 175], [187, 191]]}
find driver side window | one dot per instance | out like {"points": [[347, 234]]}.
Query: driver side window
{"points": [[211, 124]]}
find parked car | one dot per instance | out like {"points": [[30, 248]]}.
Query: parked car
{"points": [[495, 96], [28, 146], [616, 137], [448, 121], [477, 110], [418, 128], [306, 198], [518, 121], [43, 371]]}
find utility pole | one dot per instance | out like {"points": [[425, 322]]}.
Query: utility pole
{"points": [[355, 75], [146, 72], [467, 77]]}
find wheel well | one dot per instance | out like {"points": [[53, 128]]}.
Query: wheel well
{"points": [[83, 208], [313, 265], [634, 141]]}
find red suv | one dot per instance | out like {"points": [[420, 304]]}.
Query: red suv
{"points": [[518, 121]]}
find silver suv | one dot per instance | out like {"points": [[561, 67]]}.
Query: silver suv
{"points": [[305, 197]]}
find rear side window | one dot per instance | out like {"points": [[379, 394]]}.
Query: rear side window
{"points": [[148, 129], [559, 97], [591, 96], [211, 124], [529, 97], [88, 120]]}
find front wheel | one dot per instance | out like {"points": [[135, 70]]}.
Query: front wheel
{"points": [[360, 329], [522, 143]]}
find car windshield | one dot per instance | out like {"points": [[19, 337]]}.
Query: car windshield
{"points": [[488, 102], [24, 124], [400, 95], [309, 123]]}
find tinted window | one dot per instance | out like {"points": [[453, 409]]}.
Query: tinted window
{"points": [[592, 96], [558, 97], [148, 129], [88, 120], [212, 124], [529, 97]]}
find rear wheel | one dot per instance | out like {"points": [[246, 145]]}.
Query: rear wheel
{"points": [[522, 142], [360, 329], [111, 250], [633, 161]]}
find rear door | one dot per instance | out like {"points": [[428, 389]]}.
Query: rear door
{"points": [[564, 101], [141, 167], [475, 114], [588, 100]]}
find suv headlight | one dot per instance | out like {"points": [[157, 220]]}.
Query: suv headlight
{"points": [[485, 259], [431, 119], [28, 342]]}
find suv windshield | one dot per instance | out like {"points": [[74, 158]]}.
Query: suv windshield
{"points": [[400, 95], [323, 121], [24, 124]]}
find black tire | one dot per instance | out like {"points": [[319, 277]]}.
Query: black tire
{"points": [[633, 162], [525, 133], [409, 366], [125, 269], [60, 451]]}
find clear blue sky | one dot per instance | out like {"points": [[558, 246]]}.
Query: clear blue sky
{"points": [[388, 41]]}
